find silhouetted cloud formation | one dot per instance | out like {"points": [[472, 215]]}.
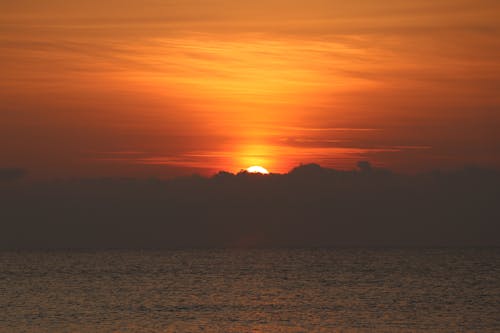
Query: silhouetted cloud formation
{"points": [[309, 206]]}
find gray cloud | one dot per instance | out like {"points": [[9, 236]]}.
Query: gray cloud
{"points": [[309, 206]]}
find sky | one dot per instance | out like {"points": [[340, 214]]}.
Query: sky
{"points": [[167, 88]]}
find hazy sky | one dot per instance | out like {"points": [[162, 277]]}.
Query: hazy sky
{"points": [[161, 88]]}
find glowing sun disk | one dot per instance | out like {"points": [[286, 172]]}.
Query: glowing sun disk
{"points": [[257, 169]]}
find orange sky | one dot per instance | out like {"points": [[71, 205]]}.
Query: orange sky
{"points": [[162, 88]]}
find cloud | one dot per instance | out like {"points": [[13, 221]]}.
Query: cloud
{"points": [[309, 206]]}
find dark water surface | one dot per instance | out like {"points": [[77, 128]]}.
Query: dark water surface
{"points": [[337, 290]]}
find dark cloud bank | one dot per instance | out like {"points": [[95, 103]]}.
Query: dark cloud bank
{"points": [[309, 206]]}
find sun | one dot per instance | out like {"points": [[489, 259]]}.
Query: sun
{"points": [[257, 169]]}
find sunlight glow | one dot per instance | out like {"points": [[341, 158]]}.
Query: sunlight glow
{"points": [[257, 169]]}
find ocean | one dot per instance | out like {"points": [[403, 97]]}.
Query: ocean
{"points": [[265, 290]]}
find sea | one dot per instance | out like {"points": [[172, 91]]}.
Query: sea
{"points": [[262, 290]]}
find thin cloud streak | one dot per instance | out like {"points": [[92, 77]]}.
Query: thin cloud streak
{"points": [[231, 161]]}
